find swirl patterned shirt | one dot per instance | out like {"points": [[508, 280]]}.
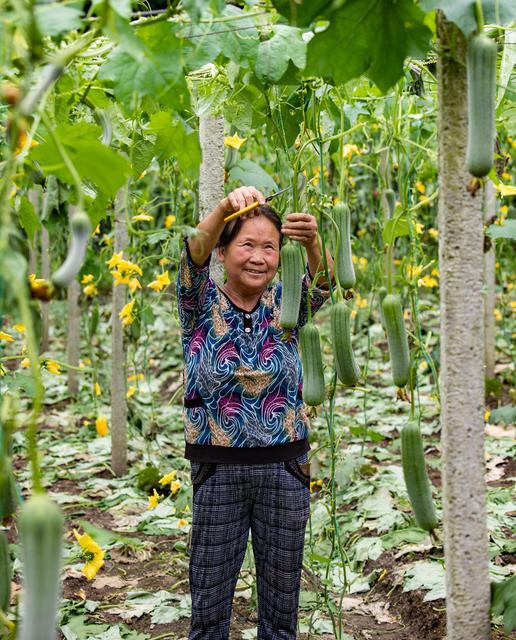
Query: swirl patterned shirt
{"points": [[242, 372]]}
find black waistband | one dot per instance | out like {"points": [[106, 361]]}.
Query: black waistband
{"points": [[246, 455]]}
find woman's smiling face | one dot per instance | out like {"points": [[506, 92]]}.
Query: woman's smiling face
{"points": [[252, 257]]}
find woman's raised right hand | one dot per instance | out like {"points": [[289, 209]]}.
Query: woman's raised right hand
{"points": [[240, 198]]}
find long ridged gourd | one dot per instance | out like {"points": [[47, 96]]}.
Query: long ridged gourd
{"points": [[344, 259], [311, 359], [291, 279], [80, 226], [41, 531], [416, 477], [481, 74], [5, 573], [348, 371], [397, 338]]}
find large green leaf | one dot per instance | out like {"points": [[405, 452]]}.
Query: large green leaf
{"points": [[202, 44], [506, 230], [248, 172], [371, 37], [462, 12], [240, 46], [118, 29], [302, 13], [274, 54], [56, 18], [103, 166], [158, 75], [173, 140], [195, 8], [28, 218]]}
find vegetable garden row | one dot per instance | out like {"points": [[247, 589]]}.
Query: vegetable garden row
{"points": [[394, 124]]}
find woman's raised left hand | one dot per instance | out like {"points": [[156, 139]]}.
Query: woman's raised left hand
{"points": [[301, 227]]}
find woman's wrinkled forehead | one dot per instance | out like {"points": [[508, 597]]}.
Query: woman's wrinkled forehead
{"points": [[232, 229]]}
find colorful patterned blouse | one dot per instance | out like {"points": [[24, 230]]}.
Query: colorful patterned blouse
{"points": [[242, 372]]}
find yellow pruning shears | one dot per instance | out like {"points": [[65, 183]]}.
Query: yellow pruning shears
{"points": [[255, 204]]}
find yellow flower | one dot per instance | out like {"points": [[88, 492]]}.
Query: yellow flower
{"points": [[162, 280], [413, 271], [134, 284], [22, 141], [53, 367], [175, 486], [427, 281], [168, 478], [35, 283], [126, 315], [163, 262], [92, 554], [2, 370], [362, 263], [433, 232], [107, 240], [153, 500], [131, 391], [349, 149], [424, 365], [315, 483], [234, 141], [120, 278], [169, 220], [435, 272], [360, 302], [486, 415], [6, 337], [97, 389], [90, 289], [97, 230], [143, 174], [19, 327], [513, 305], [497, 315], [355, 259], [504, 209], [136, 376], [25, 362], [420, 187], [115, 259], [182, 522], [87, 277], [419, 227], [143, 216], [101, 425], [506, 190], [506, 176]]}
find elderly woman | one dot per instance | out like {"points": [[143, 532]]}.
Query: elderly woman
{"points": [[245, 427]]}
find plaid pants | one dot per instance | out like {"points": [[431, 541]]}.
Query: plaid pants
{"points": [[270, 500]]}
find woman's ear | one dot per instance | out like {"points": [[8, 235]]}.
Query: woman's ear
{"points": [[222, 254]]}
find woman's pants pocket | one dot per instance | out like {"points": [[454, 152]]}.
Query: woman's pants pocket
{"points": [[300, 470]]}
